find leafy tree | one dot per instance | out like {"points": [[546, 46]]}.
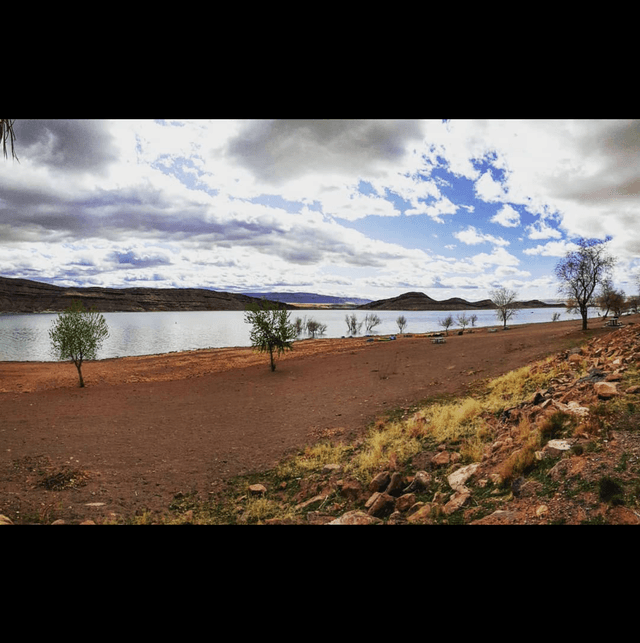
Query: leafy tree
{"points": [[271, 330], [77, 334], [402, 323], [446, 323], [581, 271], [505, 302]]}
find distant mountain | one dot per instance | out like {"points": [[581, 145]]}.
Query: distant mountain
{"points": [[420, 301], [25, 296], [308, 298]]}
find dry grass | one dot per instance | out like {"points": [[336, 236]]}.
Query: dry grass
{"points": [[467, 422], [313, 459]]}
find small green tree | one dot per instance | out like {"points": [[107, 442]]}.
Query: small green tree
{"points": [[271, 330], [446, 323], [77, 334]]}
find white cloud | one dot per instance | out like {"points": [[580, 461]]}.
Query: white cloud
{"points": [[507, 217], [552, 249], [489, 190], [540, 230], [472, 237]]}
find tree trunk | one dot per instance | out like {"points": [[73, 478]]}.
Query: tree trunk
{"points": [[79, 367], [273, 364]]}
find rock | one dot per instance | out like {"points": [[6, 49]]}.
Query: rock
{"points": [[405, 502], [633, 389], [396, 484], [421, 515], [356, 518], [458, 500], [605, 390], [420, 482], [380, 482], [331, 468], [542, 510], [380, 505], [311, 501], [457, 479], [499, 517], [397, 518], [257, 490], [351, 489], [441, 459]]}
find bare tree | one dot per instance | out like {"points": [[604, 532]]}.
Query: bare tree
{"points": [[505, 302], [402, 323], [371, 321], [7, 135], [463, 321], [473, 319], [353, 324], [610, 299], [581, 271]]}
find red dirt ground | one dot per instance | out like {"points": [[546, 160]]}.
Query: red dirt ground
{"points": [[147, 428]]}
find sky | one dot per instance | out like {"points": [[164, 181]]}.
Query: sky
{"points": [[349, 208]]}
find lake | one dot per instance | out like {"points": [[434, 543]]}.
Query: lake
{"points": [[26, 337]]}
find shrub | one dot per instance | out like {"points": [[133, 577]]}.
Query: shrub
{"points": [[610, 490]]}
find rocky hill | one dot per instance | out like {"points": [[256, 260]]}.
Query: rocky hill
{"points": [[420, 301], [25, 296]]}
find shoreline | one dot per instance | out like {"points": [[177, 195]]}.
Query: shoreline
{"points": [[452, 331], [38, 376]]}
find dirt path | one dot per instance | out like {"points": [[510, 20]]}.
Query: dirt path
{"points": [[146, 428]]}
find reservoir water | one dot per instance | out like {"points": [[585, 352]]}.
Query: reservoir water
{"points": [[26, 337]]}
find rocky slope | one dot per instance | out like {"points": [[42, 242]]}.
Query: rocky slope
{"points": [[420, 301], [25, 296], [570, 454]]}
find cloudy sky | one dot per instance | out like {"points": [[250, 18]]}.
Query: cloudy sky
{"points": [[355, 208]]}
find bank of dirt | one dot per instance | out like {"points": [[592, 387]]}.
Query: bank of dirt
{"points": [[145, 429]]}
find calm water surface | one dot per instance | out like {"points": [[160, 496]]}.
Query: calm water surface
{"points": [[26, 337]]}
